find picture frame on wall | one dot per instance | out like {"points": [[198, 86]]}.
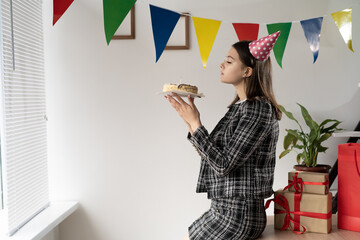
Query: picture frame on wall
{"points": [[180, 37], [126, 29]]}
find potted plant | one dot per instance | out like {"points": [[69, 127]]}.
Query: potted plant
{"points": [[308, 144]]}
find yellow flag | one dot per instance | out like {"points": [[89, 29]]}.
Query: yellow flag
{"points": [[206, 31], [344, 22]]}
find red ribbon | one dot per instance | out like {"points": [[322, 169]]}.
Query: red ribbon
{"points": [[282, 201], [297, 199], [298, 183]]}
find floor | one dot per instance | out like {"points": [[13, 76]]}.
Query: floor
{"points": [[337, 234]]}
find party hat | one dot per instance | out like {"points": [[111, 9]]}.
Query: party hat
{"points": [[261, 48]]}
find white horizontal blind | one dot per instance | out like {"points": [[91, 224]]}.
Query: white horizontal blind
{"points": [[23, 131]]}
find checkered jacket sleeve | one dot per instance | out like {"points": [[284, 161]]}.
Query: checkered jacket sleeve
{"points": [[242, 136]]}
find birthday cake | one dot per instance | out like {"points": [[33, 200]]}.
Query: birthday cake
{"points": [[168, 87]]}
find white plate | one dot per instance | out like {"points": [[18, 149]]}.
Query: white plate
{"points": [[182, 93]]}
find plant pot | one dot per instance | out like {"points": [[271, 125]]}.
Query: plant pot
{"points": [[322, 168]]}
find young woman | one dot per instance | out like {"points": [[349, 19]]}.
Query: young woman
{"points": [[238, 156]]}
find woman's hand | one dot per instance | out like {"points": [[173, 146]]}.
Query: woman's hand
{"points": [[188, 112]]}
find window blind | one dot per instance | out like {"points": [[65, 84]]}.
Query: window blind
{"points": [[23, 112]]}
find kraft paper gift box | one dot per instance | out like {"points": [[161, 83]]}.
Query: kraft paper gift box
{"points": [[313, 182], [314, 212]]}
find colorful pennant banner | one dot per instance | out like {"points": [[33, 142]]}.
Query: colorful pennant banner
{"points": [[59, 8], [206, 31], [164, 21], [312, 29], [115, 12]]}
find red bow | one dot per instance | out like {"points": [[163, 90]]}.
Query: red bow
{"points": [[282, 201], [296, 182]]}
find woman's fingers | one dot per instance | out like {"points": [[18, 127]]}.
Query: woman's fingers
{"points": [[179, 104], [181, 101], [191, 101], [188, 112], [173, 102], [192, 104]]}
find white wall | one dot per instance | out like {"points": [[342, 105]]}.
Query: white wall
{"points": [[121, 150]]}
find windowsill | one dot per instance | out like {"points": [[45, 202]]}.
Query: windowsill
{"points": [[45, 221]]}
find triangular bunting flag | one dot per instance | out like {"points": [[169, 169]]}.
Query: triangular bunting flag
{"points": [[59, 7], [343, 20], [206, 31], [280, 44], [312, 29], [115, 12], [163, 23], [246, 31]]}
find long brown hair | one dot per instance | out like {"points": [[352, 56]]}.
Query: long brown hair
{"points": [[259, 84]]}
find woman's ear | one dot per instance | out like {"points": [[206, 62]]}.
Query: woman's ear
{"points": [[248, 71]]}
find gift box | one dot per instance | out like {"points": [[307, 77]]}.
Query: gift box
{"points": [[302, 212], [311, 182]]}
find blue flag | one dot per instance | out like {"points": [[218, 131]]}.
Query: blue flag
{"points": [[312, 29], [163, 23]]}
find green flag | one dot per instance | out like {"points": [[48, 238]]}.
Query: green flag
{"points": [[280, 44], [115, 12]]}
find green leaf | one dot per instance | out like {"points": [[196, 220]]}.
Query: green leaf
{"points": [[322, 149], [332, 127], [327, 121], [299, 146], [298, 158], [295, 140], [284, 153], [324, 137], [316, 126], [288, 140], [306, 116], [313, 136], [288, 114], [295, 134]]}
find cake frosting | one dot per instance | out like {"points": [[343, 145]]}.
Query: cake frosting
{"points": [[168, 87]]}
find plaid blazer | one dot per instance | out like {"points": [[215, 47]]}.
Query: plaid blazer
{"points": [[238, 156]]}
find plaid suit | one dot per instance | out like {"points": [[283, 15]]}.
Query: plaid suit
{"points": [[238, 160]]}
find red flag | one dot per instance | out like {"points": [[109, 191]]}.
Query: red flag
{"points": [[60, 6], [246, 31]]}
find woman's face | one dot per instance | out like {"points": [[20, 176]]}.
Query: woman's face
{"points": [[233, 71]]}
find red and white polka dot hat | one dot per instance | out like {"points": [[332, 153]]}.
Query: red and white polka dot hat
{"points": [[261, 48]]}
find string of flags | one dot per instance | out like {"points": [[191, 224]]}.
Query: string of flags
{"points": [[164, 21]]}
